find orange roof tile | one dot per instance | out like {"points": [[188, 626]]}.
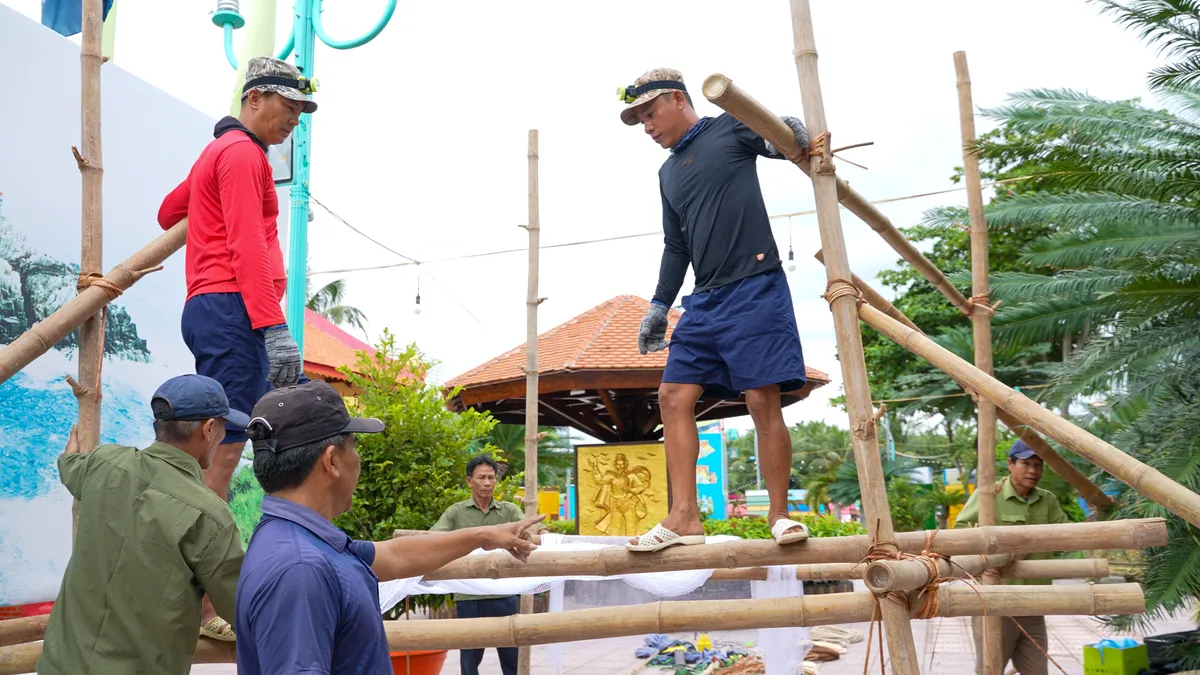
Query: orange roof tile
{"points": [[327, 347], [602, 338]]}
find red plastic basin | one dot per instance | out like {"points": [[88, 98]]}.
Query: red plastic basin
{"points": [[426, 662]]}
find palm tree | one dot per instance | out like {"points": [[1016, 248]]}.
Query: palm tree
{"points": [[327, 302], [555, 454]]}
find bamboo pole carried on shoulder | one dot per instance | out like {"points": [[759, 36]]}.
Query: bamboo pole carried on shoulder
{"points": [[1086, 488], [703, 615], [1146, 480], [718, 89], [46, 333]]}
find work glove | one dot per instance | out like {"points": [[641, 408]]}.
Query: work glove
{"points": [[798, 129], [284, 356], [653, 332]]}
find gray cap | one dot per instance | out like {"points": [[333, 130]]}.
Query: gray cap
{"points": [[266, 67]]}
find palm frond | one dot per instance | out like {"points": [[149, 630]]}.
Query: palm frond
{"points": [[1048, 319], [1084, 284], [1101, 246]]}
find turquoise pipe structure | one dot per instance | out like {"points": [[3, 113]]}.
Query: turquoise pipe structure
{"points": [[306, 29]]}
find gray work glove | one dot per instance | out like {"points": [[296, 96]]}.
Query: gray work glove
{"points": [[284, 355], [798, 129], [653, 332]]}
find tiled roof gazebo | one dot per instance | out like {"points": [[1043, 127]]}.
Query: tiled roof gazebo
{"points": [[591, 377]]}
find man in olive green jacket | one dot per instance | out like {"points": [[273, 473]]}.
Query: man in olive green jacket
{"points": [[1019, 501], [152, 540], [482, 509]]}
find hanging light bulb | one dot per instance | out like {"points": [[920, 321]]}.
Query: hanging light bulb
{"points": [[791, 256], [417, 305]]}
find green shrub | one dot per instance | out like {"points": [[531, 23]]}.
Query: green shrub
{"points": [[756, 528], [561, 526]]}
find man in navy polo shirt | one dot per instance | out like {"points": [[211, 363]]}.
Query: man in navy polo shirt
{"points": [[738, 332], [308, 595]]}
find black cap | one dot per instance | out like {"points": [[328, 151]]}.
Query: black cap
{"points": [[194, 397], [301, 414], [1020, 451]]}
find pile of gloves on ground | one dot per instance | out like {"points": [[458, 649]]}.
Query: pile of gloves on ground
{"points": [[661, 649]]}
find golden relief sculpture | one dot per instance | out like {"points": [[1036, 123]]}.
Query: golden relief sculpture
{"points": [[620, 497]]}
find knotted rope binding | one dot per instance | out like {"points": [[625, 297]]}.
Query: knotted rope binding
{"points": [[839, 287]]}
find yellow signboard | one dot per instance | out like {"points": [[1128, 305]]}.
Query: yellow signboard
{"points": [[621, 488]]}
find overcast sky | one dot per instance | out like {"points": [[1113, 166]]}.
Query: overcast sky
{"points": [[421, 136]]}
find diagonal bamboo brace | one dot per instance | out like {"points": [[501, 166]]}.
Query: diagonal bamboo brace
{"points": [[1146, 480], [46, 333], [721, 91], [1086, 488]]}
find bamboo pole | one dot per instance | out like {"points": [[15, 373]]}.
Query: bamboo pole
{"points": [[1087, 489], [531, 370], [31, 629], [707, 615], [1146, 480], [616, 560], [91, 262], [841, 304], [24, 629], [981, 325], [47, 332], [885, 576]]}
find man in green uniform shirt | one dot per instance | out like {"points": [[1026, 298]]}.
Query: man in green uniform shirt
{"points": [[152, 540], [1019, 501], [481, 509]]}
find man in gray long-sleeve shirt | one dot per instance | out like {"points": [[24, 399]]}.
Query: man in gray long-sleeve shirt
{"points": [[738, 331]]}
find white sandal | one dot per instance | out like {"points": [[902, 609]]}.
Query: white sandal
{"points": [[783, 525], [218, 629], [660, 537]]}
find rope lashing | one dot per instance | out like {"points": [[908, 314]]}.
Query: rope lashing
{"points": [[96, 279], [837, 288], [983, 302]]}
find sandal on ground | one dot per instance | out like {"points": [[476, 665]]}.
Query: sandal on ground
{"points": [[783, 525], [660, 537], [218, 629]]}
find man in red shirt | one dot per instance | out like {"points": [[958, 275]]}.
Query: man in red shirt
{"points": [[232, 320]]}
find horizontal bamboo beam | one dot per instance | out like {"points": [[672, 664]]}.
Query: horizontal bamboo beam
{"points": [[24, 629], [708, 615], [1064, 568], [1012, 539], [1147, 481], [46, 333], [722, 92], [1086, 488], [885, 576]]}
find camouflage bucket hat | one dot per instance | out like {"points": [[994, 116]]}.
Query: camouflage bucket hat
{"points": [[267, 74], [661, 81]]}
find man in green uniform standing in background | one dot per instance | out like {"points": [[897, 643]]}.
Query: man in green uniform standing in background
{"points": [[1019, 501], [482, 509]]}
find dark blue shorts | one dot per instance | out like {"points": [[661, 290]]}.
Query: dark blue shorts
{"points": [[737, 337], [216, 328]]}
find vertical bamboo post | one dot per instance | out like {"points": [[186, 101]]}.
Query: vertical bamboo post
{"points": [[91, 260], [844, 306], [531, 371], [981, 322]]}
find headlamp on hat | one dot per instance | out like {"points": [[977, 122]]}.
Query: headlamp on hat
{"points": [[304, 85], [631, 93]]}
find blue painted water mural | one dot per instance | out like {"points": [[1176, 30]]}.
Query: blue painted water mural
{"points": [[36, 419]]}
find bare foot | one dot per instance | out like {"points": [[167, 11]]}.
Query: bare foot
{"points": [[682, 524]]}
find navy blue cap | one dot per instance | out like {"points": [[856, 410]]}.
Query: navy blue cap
{"points": [[194, 397], [1020, 451]]}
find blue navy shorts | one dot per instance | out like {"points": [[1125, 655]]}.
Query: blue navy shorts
{"points": [[737, 337], [216, 328]]}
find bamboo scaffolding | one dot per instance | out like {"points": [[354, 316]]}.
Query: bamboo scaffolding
{"points": [[677, 617], [1086, 488], [841, 304], [531, 370], [24, 629], [1012, 539], [885, 576], [981, 325], [46, 333], [1148, 481], [87, 388]]}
